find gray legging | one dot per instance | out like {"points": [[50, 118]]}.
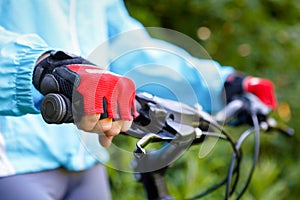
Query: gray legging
{"points": [[58, 184]]}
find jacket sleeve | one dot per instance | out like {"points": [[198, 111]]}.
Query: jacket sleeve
{"points": [[160, 67], [18, 54]]}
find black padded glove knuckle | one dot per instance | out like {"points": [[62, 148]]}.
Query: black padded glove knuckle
{"points": [[49, 84], [52, 76], [66, 80], [233, 86]]}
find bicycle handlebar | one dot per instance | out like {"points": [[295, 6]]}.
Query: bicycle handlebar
{"points": [[177, 124], [164, 120]]}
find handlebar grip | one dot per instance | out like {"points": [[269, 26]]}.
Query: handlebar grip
{"points": [[56, 109]]}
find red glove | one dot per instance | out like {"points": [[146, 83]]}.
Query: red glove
{"points": [[262, 88], [237, 84], [97, 84], [91, 89]]}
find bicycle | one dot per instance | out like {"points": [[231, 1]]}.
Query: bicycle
{"points": [[179, 126]]}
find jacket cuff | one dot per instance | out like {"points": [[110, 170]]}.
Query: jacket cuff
{"points": [[27, 97]]}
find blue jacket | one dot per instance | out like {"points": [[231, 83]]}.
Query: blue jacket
{"points": [[30, 27]]}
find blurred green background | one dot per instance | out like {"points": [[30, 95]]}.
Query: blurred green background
{"points": [[257, 37]]}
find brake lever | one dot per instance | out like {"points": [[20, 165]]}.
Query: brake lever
{"points": [[178, 134], [148, 138], [173, 145], [250, 103], [272, 124], [268, 123], [163, 120], [157, 113]]}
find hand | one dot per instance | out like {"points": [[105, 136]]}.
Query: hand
{"points": [[94, 93], [262, 88], [107, 128], [237, 84]]}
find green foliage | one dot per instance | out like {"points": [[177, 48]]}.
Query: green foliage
{"points": [[267, 27], [258, 37]]}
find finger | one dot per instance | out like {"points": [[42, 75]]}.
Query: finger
{"points": [[88, 122], [125, 97], [126, 126], [115, 128], [105, 140], [104, 125]]}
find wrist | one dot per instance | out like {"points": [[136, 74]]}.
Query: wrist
{"points": [[42, 57]]}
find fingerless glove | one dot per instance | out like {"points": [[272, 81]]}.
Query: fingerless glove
{"points": [[92, 90]]}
